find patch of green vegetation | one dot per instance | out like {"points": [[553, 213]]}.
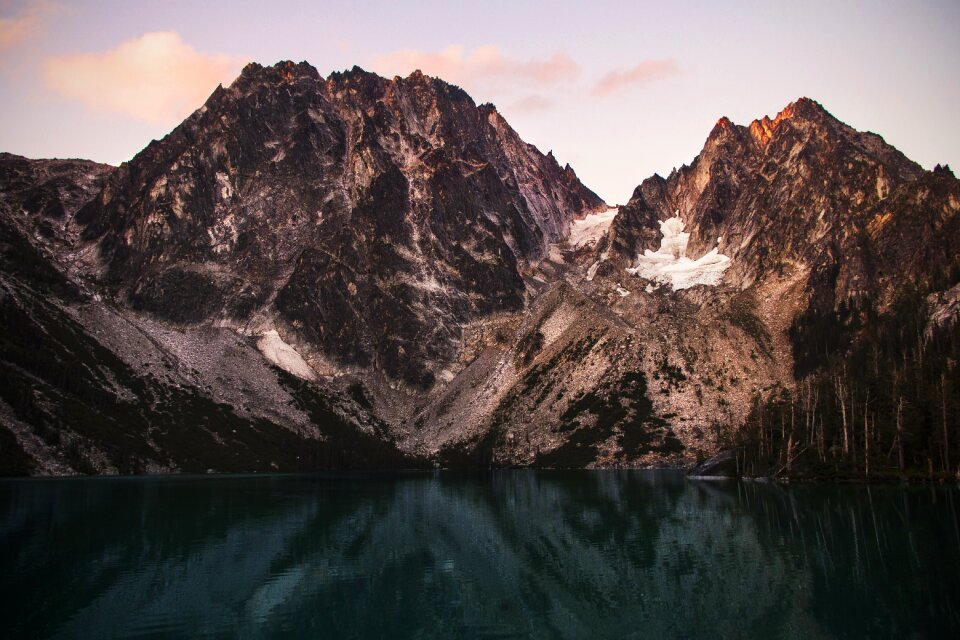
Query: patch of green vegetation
{"points": [[540, 379], [673, 374], [344, 444], [821, 331], [620, 408], [541, 375], [358, 392], [532, 341], [532, 378], [529, 347], [742, 313], [579, 450], [883, 405], [21, 259]]}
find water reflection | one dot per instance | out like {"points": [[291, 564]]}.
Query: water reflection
{"points": [[500, 555]]}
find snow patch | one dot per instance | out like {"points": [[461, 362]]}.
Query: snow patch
{"points": [[670, 264], [274, 349], [587, 232], [592, 271]]}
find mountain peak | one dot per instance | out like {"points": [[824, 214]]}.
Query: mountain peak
{"points": [[812, 177], [402, 175], [354, 73], [283, 71], [804, 110], [725, 133], [763, 129], [724, 123], [723, 128]]}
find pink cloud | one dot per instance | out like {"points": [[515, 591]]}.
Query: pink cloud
{"points": [[26, 24], [641, 74], [156, 78], [486, 66], [530, 104]]}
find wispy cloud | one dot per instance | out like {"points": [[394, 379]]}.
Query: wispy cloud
{"points": [[25, 24], [156, 77], [486, 67], [531, 103], [641, 74]]}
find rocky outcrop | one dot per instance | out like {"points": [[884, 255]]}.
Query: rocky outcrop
{"points": [[90, 386], [48, 192], [804, 188], [805, 193], [360, 271], [368, 219]]}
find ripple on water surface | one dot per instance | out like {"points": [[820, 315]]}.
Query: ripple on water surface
{"points": [[513, 554]]}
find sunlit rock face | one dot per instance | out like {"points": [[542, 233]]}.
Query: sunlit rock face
{"points": [[368, 218], [670, 265], [351, 264], [803, 190]]}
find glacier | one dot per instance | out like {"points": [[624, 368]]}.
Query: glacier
{"points": [[587, 231], [274, 349], [670, 265]]}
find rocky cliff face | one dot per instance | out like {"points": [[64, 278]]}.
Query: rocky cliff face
{"points": [[805, 196], [356, 271], [90, 386], [803, 189], [365, 218]]}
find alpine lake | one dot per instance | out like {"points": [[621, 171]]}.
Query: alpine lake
{"points": [[501, 554]]}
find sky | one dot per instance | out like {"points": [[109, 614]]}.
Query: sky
{"points": [[620, 90]]}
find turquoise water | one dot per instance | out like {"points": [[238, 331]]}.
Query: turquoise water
{"points": [[511, 554]]}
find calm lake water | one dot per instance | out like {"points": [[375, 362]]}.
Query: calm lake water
{"points": [[511, 554]]}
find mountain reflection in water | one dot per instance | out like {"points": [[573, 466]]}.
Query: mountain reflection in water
{"points": [[583, 554]]}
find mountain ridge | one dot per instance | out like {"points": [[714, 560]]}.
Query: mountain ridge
{"points": [[408, 247], [327, 153]]}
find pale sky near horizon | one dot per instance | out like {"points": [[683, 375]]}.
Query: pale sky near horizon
{"points": [[620, 90]]}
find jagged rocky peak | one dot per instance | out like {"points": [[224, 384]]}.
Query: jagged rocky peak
{"points": [[39, 198], [800, 191], [365, 218], [805, 111], [52, 189], [551, 191]]}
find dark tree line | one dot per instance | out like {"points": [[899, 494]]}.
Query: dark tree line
{"points": [[886, 406]]}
